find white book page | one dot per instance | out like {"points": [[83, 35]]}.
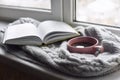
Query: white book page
{"points": [[20, 30], [47, 27]]}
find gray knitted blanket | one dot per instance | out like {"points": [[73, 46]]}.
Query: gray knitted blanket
{"points": [[84, 65]]}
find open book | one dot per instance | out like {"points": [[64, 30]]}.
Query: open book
{"points": [[47, 32]]}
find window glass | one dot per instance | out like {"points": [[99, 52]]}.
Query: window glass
{"points": [[37, 9], [98, 11], [44, 4]]}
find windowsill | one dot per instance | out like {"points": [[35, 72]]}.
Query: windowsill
{"points": [[42, 71], [115, 30]]}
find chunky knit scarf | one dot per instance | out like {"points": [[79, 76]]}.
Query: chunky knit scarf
{"points": [[84, 65]]}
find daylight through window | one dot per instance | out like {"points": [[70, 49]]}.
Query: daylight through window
{"points": [[44, 4], [98, 11]]}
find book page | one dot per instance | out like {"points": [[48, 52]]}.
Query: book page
{"points": [[58, 37], [47, 27], [20, 30]]}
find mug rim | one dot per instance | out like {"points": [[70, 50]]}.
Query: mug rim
{"points": [[73, 39], [87, 49]]}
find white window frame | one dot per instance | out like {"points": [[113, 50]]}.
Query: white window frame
{"points": [[69, 12], [69, 17], [62, 10], [13, 13]]}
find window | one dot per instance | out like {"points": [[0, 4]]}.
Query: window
{"points": [[43, 4], [103, 12], [106, 12], [38, 9]]}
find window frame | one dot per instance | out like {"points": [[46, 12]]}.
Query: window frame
{"points": [[69, 15], [13, 13], [62, 10]]}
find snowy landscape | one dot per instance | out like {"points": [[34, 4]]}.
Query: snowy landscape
{"points": [[99, 11]]}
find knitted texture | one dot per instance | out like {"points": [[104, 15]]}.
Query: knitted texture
{"points": [[84, 65], [25, 20]]}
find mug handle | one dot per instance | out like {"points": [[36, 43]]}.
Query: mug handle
{"points": [[99, 49]]}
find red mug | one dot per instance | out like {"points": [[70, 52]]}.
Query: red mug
{"points": [[84, 45]]}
